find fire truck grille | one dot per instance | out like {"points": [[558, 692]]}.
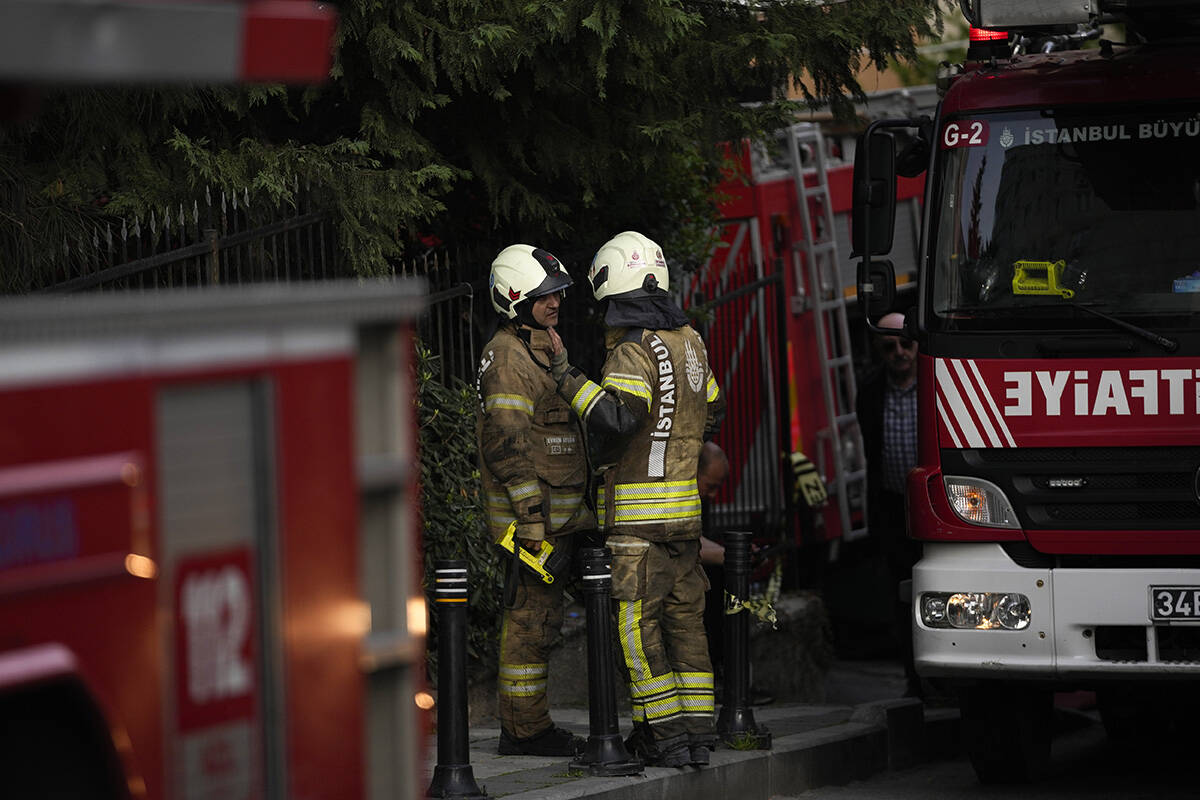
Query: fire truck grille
{"points": [[1120, 643], [1174, 644], [1084, 488], [1106, 483], [1178, 643], [1128, 512]]}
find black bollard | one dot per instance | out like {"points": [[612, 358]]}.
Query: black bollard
{"points": [[452, 777], [605, 753], [736, 723]]}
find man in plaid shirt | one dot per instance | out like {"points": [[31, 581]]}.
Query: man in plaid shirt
{"points": [[887, 417]]}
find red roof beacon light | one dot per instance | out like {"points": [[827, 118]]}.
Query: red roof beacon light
{"points": [[987, 44]]}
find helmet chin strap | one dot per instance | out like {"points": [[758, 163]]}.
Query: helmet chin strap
{"points": [[525, 316]]}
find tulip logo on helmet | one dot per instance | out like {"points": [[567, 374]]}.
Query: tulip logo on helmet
{"points": [[635, 260]]}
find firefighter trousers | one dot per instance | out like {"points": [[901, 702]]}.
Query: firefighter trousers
{"points": [[658, 589], [528, 632]]}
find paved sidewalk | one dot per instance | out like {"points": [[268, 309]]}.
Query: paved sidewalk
{"points": [[813, 745]]}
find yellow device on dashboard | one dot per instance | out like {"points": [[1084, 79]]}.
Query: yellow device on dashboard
{"points": [[1040, 277]]}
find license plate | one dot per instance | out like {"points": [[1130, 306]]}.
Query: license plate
{"points": [[1175, 602]]}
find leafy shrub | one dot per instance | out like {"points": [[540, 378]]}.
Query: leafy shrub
{"points": [[452, 508]]}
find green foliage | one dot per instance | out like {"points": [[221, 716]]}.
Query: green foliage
{"points": [[454, 524], [742, 741], [555, 121], [35, 221], [922, 69]]}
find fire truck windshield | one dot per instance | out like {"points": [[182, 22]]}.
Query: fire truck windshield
{"points": [[1041, 209]]}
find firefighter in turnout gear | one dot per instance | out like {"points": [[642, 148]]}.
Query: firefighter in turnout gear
{"points": [[533, 468], [655, 406]]}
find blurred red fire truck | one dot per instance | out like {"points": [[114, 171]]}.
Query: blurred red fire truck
{"points": [[209, 544], [208, 508]]}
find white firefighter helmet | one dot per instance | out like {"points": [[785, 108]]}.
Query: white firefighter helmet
{"points": [[520, 274], [628, 265]]}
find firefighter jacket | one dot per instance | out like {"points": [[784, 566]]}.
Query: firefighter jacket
{"points": [[533, 466], [655, 405]]}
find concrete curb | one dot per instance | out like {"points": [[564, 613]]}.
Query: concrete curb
{"points": [[875, 737]]}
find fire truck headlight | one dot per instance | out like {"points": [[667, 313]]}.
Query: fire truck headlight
{"points": [[1008, 611], [980, 502], [933, 610]]}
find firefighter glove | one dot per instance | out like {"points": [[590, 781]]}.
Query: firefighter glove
{"points": [[533, 531], [809, 486], [559, 365]]}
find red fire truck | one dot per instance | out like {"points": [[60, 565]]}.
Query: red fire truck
{"points": [[1057, 492], [208, 545]]}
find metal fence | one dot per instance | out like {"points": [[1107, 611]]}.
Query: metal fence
{"points": [[742, 327], [451, 327], [225, 238], [743, 339], [219, 238]]}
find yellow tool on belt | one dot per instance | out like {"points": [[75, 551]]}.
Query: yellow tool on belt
{"points": [[547, 563]]}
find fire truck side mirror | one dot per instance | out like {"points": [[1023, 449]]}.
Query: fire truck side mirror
{"points": [[874, 212], [876, 287]]}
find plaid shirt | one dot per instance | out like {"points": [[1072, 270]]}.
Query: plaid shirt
{"points": [[899, 435]]}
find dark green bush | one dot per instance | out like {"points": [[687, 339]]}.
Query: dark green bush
{"points": [[452, 509]]}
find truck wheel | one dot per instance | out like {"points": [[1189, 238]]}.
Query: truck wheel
{"points": [[1006, 731], [1146, 718], [1126, 717]]}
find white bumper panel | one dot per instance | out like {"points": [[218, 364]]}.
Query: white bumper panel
{"points": [[1067, 606]]}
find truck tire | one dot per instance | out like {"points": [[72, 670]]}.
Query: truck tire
{"points": [[1006, 731], [1149, 718], [1125, 716]]}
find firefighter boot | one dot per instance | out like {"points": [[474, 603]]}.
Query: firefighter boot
{"points": [[640, 743], [699, 747], [673, 752], [550, 742]]}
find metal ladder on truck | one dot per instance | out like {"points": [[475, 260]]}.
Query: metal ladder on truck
{"points": [[839, 441]]}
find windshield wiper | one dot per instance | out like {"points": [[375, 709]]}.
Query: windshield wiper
{"points": [[1170, 345]]}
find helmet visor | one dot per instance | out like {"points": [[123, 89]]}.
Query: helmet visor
{"points": [[556, 279], [555, 282]]}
